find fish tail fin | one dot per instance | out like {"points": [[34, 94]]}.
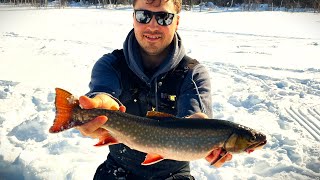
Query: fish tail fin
{"points": [[64, 102]]}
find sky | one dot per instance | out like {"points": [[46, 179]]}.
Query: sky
{"points": [[264, 67]]}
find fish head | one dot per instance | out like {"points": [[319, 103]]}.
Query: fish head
{"points": [[245, 140]]}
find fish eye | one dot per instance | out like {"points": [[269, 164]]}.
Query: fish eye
{"points": [[253, 138]]}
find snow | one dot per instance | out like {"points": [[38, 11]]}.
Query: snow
{"points": [[264, 67]]}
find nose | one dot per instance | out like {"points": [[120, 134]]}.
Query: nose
{"points": [[153, 23]]}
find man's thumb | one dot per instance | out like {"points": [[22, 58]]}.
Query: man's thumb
{"points": [[88, 103]]}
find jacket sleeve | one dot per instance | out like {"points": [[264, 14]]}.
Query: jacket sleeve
{"points": [[104, 78], [195, 93]]}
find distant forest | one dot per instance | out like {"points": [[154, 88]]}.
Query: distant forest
{"points": [[247, 5]]}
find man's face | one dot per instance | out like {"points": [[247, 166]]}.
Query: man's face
{"points": [[152, 37]]}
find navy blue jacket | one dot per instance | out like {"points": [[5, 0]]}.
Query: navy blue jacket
{"points": [[194, 95]]}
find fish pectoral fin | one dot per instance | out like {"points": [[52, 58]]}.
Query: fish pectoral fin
{"points": [[106, 140], [216, 156], [152, 159]]}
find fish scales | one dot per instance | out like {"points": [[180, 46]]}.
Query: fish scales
{"points": [[179, 135], [159, 135]]}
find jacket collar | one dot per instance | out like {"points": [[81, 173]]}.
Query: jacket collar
{"points": [[134, 61]]}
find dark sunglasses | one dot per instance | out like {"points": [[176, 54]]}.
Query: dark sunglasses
{"points": [[145, 16]]}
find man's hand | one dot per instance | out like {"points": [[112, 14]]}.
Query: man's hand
{"points": [[216, 152], [224, 157], [198, 115], [102, 101]]}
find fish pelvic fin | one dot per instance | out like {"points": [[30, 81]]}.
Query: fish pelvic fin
{"points": [[106, 139], [64, 102], [152, 159]]}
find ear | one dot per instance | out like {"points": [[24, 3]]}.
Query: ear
{"points": [[133, 19], [178, 18]]}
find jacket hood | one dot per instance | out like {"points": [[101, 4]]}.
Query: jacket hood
{"points": [[134, 61]]}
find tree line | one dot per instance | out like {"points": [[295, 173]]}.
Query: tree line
{"points": [[187, 4], [255, 4], [64, 3]]}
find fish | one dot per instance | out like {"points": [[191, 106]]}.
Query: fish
{"points": [[160, 135]]}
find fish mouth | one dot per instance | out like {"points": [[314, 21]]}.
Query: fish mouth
{"points": [[250, 149], [256, 146]]}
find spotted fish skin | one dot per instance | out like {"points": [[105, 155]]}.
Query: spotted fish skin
{"points": [[160, 135]]}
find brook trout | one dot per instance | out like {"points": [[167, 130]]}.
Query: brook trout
{"points": [[159, 135]]}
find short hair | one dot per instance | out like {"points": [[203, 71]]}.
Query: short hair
{"points": [[156, 3]]}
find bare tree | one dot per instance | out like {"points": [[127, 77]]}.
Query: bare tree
{"points": [[231, 4], [316, 6]]}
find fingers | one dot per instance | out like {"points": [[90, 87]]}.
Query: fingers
{"points": [[229, 157], [199, 115], [218, 157], [122, 108], [86, 102], [222, 160], [92, 128], [214, 155], [102, 101]]}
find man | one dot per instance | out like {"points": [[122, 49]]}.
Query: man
{"points": [[150, 73]]}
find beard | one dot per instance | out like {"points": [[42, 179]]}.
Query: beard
{"points": [[152, 42]]}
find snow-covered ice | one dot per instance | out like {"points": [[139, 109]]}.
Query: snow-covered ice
{"points": [[264, 67]]}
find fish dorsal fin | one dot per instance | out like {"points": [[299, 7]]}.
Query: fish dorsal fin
{"points": [[156, 114]]}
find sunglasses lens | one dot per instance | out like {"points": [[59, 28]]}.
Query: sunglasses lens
{"points": [[143, 16], [164, 19]]}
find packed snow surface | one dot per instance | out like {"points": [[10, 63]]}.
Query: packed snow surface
{"points": [[264, 67]]}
